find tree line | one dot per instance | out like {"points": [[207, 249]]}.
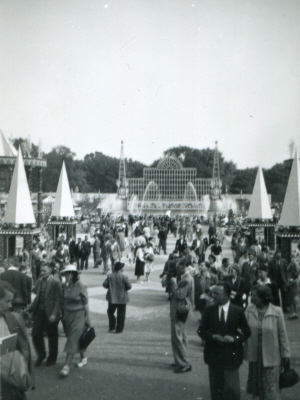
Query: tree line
{"points": [[99, 172]]}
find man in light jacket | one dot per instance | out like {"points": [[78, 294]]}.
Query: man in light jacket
{"points": [[182, 292], [117, 297]]}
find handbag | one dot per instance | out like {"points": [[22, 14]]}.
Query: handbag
{"points": [[288, 378], [87, 337], [14, 371]]}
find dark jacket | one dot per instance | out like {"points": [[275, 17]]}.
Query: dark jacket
{"points": [[78, 251], [249, 273], [86, 248], [278, 273], [22, 285], [117, 285], [180, 246], [238, 289], [72, 251], [53, 298], [224, 355], [200, 250], [163, 234]]}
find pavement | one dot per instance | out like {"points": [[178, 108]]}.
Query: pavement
{"points": [[136, 364]]}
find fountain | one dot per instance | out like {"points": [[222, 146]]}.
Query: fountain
{"points": [[151, 193], [190, 195], [133, 209], [224, 204], [111, 204], [206, 205]]}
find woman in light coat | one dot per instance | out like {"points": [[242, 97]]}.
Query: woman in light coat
{"points": [[268, 346]]}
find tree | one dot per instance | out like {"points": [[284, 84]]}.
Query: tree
{"points": [[54, 164], [243, 180], [276, 179]]}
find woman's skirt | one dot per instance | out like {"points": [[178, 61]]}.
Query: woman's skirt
{"points": [[139, 267], [75, 325], [292, 292], [263, 381]]}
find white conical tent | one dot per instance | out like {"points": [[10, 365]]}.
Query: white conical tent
{"points": [[6, 148], [290, 215], [19, 207], [259, 206], [63, 204]]}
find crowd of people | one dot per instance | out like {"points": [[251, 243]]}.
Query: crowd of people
{"points": [[241, 301]]}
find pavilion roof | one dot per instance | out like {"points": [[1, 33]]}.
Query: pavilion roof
{"points": [[19, 207], [6, 148], [63, 204], [290, 215], [260, 206]]}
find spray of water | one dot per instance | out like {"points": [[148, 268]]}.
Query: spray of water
{"points": [[225, 204], [111, 204], [133, 209], [206, 205]]}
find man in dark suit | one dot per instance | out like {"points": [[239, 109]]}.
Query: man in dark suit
{"points": [[198, 246], [182, 292], [162, 236], [46, 314], [96, 251], [86, 249], [212, 233], [249, 271], [278, 274], [72, 251], [224, 329], [117, 297], [79, 254], [20, 282], [181, 244]]}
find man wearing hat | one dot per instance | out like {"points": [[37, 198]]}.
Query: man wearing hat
{"points": [[117, 297], [181, 293]]}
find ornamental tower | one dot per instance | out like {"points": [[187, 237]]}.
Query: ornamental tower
{"points": [[216, 183], [122, 182]]}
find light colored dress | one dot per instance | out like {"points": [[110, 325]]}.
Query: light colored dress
{"points": [[75, 298], [263, 382]]}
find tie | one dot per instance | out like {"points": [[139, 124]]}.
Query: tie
{"points": [[222, 320]]}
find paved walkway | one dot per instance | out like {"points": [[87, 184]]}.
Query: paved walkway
{"points": [[136, 364]]}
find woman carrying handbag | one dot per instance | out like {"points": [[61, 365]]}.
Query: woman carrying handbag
{"points": [[76, 316]]}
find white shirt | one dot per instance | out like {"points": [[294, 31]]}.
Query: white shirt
{"points": [[225, 308]]}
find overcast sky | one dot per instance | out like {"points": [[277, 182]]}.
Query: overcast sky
{"points": [[155, 73]]}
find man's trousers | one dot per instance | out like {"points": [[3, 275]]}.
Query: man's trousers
{"points": [[39, 326], [118, 323], [224, 384], [179, 343]]}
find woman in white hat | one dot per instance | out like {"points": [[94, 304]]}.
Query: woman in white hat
{"points": [[76, 315]]}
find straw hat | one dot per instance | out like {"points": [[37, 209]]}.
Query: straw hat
{"points": [[70, 268]]}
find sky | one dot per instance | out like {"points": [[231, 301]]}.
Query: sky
{"points": [[88, 74]]}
